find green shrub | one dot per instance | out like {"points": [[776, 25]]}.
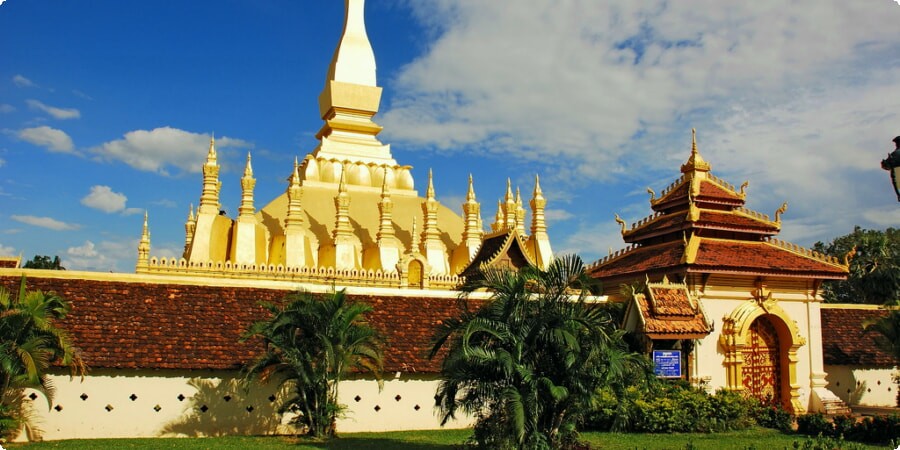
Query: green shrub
{"points": [[814, 425], [876, 429], [771, 414], [843, 426], [669, 407]]}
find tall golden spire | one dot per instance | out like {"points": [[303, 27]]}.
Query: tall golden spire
{"points": [[342, 227], [432, 247], [189, 227], [294, 218], [143, 262], [247, 185], [509, 207], [695, 163], [499, 218], [520, 213], [209, 198], [471, 216], [385, 210], [351, 98], [539, 242]]}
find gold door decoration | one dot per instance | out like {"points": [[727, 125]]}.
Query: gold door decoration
{"points": [[762, 361], [741, 332]]}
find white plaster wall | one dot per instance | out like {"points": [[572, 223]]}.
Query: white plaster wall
{"points": [[244, 412], [719, 301], [863, 385]]}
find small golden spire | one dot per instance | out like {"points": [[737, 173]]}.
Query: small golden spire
{"points": [[695, 163], [470, 195], [248, 170], [429, 193], [143, 261]]}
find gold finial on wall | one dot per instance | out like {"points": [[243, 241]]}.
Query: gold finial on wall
{"points": [[621, 223]]}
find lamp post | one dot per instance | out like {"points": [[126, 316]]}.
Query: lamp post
{"points": [[892, 164]]}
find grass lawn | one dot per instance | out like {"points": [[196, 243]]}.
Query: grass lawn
{"points": [[758, 438]]}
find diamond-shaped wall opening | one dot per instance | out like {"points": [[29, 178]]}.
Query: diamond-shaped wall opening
{"points": [[109, 408], [397, 398], [58, 408], [204, 408], [33, 396], [84, 397], [157, 408], [132, 397], [377, 408]]}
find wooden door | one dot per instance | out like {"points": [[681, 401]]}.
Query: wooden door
{"points": [[762, 362]]}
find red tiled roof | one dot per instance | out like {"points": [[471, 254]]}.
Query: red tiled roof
{"points": [[843, 340], [640, 260], [710, 219], [678, 319], [713, 192], [676, 196], [9, 262], [760, 257], [734, 221], [670, 302], [171, 326]]}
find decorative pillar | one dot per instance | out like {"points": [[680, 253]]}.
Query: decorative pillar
{"points": [[143, 262], [472, 232], [539, 241], [432, 247]]}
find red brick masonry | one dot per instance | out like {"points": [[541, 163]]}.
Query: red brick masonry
{"points": [[174, 326]]}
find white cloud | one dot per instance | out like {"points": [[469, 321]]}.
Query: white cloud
{"points": [[2, 162], [597, 90], [161, 149], [45, 222], [85, 251], [21, 81], [7, 251], [6, 108], [104, 199], [49, 138], [165, 203], [557, 215], [57, 113]]}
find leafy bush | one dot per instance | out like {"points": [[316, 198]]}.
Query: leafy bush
{"points": [[814, 425], [669, 407], [876, 429], [771, 414]]}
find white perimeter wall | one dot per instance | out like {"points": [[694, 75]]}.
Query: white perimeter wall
{"points": [[725, 294], [863, 385], [108, 410]]}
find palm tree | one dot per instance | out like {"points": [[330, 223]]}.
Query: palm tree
{"points": [[311, 344], [527, 362], [29, 343]]}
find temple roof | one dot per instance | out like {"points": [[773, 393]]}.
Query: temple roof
{"points": [[845, 343], [667, 311], [502, 248], [710, 255], [700, 225], [739, 220], [10, 262]]}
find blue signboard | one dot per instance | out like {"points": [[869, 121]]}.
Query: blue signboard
{"points": [[667, 363]]}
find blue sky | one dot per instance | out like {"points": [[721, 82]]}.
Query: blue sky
{"points": [[106, 108]]}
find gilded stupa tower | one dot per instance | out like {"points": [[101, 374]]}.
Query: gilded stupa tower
{"points": [[350, 213]]}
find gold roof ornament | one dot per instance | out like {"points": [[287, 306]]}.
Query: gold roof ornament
{"points": [[780, 211], [695, 163]]}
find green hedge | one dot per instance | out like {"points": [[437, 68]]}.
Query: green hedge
{"points": [[874, 429], [668, 407]]}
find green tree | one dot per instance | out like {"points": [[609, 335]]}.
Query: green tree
{"points": [[874, 276], [29, 343], [527, 362], [887, 332], [44, 262], [311, 344]]}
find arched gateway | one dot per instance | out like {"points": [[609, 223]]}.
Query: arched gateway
{"points": [[762, 362]]}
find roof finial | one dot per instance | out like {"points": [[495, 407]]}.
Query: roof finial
{"points": [[693, 142], [429, 193], [470, 195], [695, 163]]}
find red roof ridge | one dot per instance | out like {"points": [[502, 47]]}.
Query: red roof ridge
{"points": [[805, 252], [647, 221], [621, 253], [669, 190]]}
